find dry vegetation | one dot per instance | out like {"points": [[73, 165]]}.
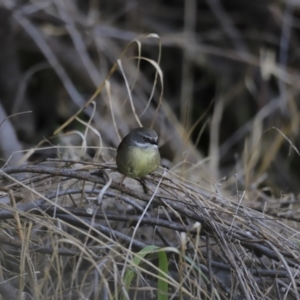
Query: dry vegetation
{"points": [[217, 81]]}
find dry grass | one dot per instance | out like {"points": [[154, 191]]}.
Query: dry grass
{"points": [[220, 226], [78, 230]]}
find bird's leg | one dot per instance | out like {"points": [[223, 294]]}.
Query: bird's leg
{"points": [[143, 184], [121, 183]]}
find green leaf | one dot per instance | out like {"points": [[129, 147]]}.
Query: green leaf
{"points": [[162, 283], [129, 274]]}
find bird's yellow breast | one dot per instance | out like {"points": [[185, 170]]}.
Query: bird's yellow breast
{"points": [[138, 162]]}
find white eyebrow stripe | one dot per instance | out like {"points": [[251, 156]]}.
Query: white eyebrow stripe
{"points": [[145, 145]]}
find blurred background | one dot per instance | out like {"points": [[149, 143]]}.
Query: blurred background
{"points": [[220, 84]]}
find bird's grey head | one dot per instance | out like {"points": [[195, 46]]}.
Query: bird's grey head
{"points": [[144, 137]]}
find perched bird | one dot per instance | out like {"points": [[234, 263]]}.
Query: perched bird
{"points": [[137, 154]]}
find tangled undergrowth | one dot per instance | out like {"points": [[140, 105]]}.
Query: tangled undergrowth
{"points": [[74, 230]]}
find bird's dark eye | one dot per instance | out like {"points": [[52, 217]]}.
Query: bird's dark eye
{"points": [[143, 138]]}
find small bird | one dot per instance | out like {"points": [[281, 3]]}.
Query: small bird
{"points": [[137, 154]]}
